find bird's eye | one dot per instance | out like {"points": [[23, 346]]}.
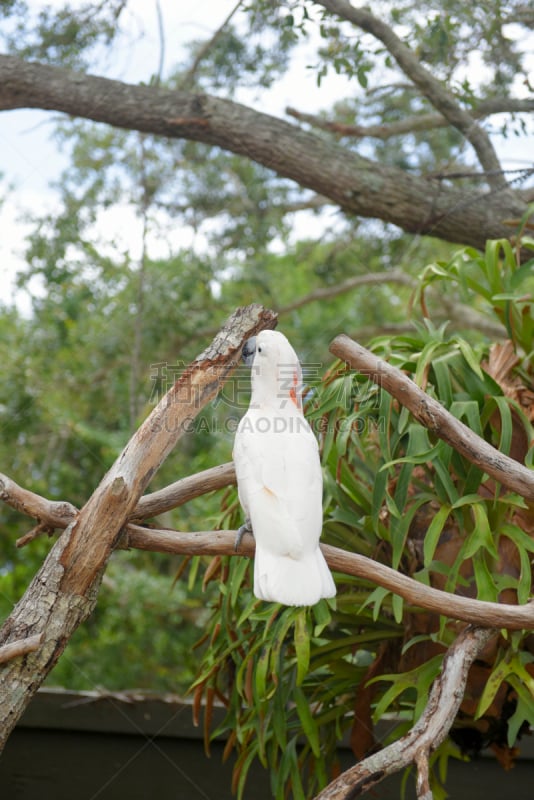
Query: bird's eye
{"points": [[259, 349]]}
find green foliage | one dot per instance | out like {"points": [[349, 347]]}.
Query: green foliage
{"points": [[61, 35], [499, 281], [294, 681], [145, 627]]}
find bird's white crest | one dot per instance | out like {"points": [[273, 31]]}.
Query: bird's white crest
{"points": [[279, 480]]}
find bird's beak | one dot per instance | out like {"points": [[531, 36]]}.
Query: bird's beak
{"points": [[249, 351]]}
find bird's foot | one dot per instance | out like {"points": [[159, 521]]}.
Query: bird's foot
{"points": [[241, 531]]}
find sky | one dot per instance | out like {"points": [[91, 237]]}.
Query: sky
{"points": [[31, 160]]}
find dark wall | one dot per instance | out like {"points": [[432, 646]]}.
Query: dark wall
{"points": [[92, 747]]}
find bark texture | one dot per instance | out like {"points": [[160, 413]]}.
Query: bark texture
{"points": [[357, 185]]}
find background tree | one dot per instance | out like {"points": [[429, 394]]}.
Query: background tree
{"points": [[423, 71]]}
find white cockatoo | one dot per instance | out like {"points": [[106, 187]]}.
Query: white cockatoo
{"points": [[279, 479]]}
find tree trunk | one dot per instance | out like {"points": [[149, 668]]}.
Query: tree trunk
{"points": [[356, 184], [64, 591]]}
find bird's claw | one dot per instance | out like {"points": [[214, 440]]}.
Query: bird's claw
{"points": [[241, 531]]}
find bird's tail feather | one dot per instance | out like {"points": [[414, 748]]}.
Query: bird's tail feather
{"points": [[293, 582]]}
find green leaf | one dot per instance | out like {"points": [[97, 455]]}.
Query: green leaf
{"points": [[322, 615], [498, 674], [260, 675], [486, 588], [444, 484], [524, 711], [309, 725], [397, 604], [481, 535], [433, 533], [375, 599], [238, 576], [302, 638], [470, 357], [418, 680], [507, 429]]}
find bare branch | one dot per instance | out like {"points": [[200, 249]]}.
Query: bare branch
{"points": [[189, 77], [423, 779], [54, 514], [184, 490], [39, 530], [427, 734], [458, 313], [223, 543], [356, 184], [393, 276], [21, 647], [436, 92], [59, 515], [437, 419], [417, 123], [212, 543]]}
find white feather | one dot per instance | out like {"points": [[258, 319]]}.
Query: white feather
{"points": [[280, 481]]}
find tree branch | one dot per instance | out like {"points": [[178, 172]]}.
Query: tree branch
{"points": [[417, 123], [184, 490], [393, 276], [427, 734], [497, 615], [356, 184], [64, 591], [216, 543], [188, 79], [436, 92], [59, 515], [461, 315], [54, 514], [438, 420]]}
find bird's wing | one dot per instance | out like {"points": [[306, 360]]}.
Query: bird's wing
{"points": [[280, 482]]}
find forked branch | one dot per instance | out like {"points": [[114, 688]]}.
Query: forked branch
{"points": [[434, 90], [52, 515], [427, 734]]}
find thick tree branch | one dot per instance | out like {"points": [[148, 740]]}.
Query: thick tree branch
{"points": [[427, 734], [438, 420], [417, 123], [436, 92], [494, 615], [64, 591], [358, 185]]}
